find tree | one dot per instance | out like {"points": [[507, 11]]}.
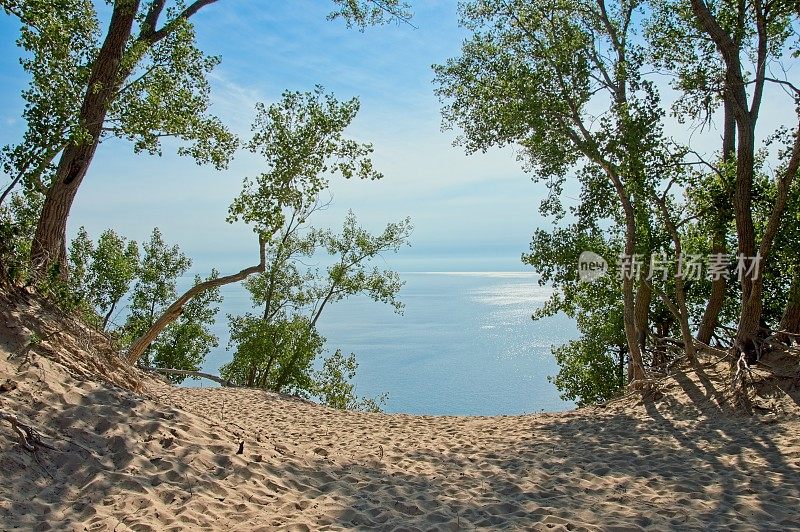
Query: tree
{"points": [[58, 43], [590, 369], [144, 80], [276, 349], [566, 82], [782, 275], [739, 31], [353, 249], [102, 274], [17, 225], [723, 55], [594, 367], [363, 13], [333, 385], [81, 250], [101, 277], [186, 342], [114, 266], [675, 45], [301, 139], [531, 75], [155, 287], [276, 355], [333, 382]]}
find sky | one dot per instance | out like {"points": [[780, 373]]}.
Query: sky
{"points": [[470, 213]]}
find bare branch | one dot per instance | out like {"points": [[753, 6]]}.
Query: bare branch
{"points": [[784, 83], [190, 373]]}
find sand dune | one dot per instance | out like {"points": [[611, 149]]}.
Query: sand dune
{"points": [[165, 458], [170, 462]]}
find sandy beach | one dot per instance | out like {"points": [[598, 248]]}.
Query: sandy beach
{"points": [[158, 457]]}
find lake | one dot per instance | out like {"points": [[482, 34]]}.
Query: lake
{"points": [[465, 344]]}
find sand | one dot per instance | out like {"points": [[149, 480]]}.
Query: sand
{"points": [[167, 458]]}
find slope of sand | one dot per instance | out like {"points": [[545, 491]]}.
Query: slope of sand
{"points": [[165, 458]]}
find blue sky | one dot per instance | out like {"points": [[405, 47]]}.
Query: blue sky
{"points": [[469, 213]]}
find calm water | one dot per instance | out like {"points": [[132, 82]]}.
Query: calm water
{"points": [[465, 344]]}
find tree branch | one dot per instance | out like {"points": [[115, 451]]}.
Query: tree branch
{"points": [[173, 311], [151, 19], [784, 83], [190, 373], [153, 36]]}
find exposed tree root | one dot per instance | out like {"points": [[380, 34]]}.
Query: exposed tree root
{"points": [[29, 438]]}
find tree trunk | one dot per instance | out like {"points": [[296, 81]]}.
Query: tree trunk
{"points": [[49, 243], [749, 322], [686, 332], [267, 369], [251, 377], [108, 73], [636, 368], [716, 300], [174, 311], [108, 315], [736, 95], [750, 319], [663, 325], [679, 310], [644, 295], [790, 322], [629, 309], [742, 199], [751, 305]]}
